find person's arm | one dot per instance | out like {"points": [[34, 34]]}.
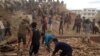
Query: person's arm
{"points": [[55, 51]]}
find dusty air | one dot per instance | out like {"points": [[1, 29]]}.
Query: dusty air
{"points": [[48, 28]]}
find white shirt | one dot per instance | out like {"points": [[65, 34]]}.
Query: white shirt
{"points": [[1, 25]]}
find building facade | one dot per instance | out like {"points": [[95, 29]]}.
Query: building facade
{"points": [[89, 13], [77, 11]]}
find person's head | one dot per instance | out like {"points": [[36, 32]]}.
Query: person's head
{"points": [[34, 25], [55, 40]]}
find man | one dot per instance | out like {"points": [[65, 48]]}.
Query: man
{"points": [[2, 28], [67, 20], [94, 26], [8, 29], [44, 22], [22, 32], [88, 28], [61, 25], [66, 50], [35, 40], [83, 23], [50, 23], [48, 38], [77, 24]]}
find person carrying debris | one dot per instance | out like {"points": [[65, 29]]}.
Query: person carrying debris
{"points": [[22, 32], [35, 40], [66, 49]]}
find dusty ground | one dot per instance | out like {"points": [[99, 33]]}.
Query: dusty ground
{"points": [[80, 47]]}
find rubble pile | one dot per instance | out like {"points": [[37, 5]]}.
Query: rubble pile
{"points": [[82, 49]]}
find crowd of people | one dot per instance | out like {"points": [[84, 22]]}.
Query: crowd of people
{"points": [[81, 24], [45, 37], [35, 40], [86, 25], [36, 37]]}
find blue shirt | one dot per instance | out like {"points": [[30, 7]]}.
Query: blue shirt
{"points": [[48, 38]]}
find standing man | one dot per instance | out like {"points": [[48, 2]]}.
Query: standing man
{"points": [[67, 20], [61, 26], [83, 23], [50, 23], [35, 40], [44, 22], [66, 50], [94, 26], [8, 29], [88, 28], [2, 30], [22, 32], [77, 24]]}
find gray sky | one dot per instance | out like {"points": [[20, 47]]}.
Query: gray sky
{"points": [[81, 4]]}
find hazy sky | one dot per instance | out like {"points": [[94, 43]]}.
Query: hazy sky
{"points": [[80, 4]]}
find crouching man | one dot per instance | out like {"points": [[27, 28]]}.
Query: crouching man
{"points": [[66, 50]]}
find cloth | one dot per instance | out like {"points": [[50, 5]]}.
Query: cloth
{"points": [[23, 27], [88, 27], [35, 42], [34, 49], [36, 36]]}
